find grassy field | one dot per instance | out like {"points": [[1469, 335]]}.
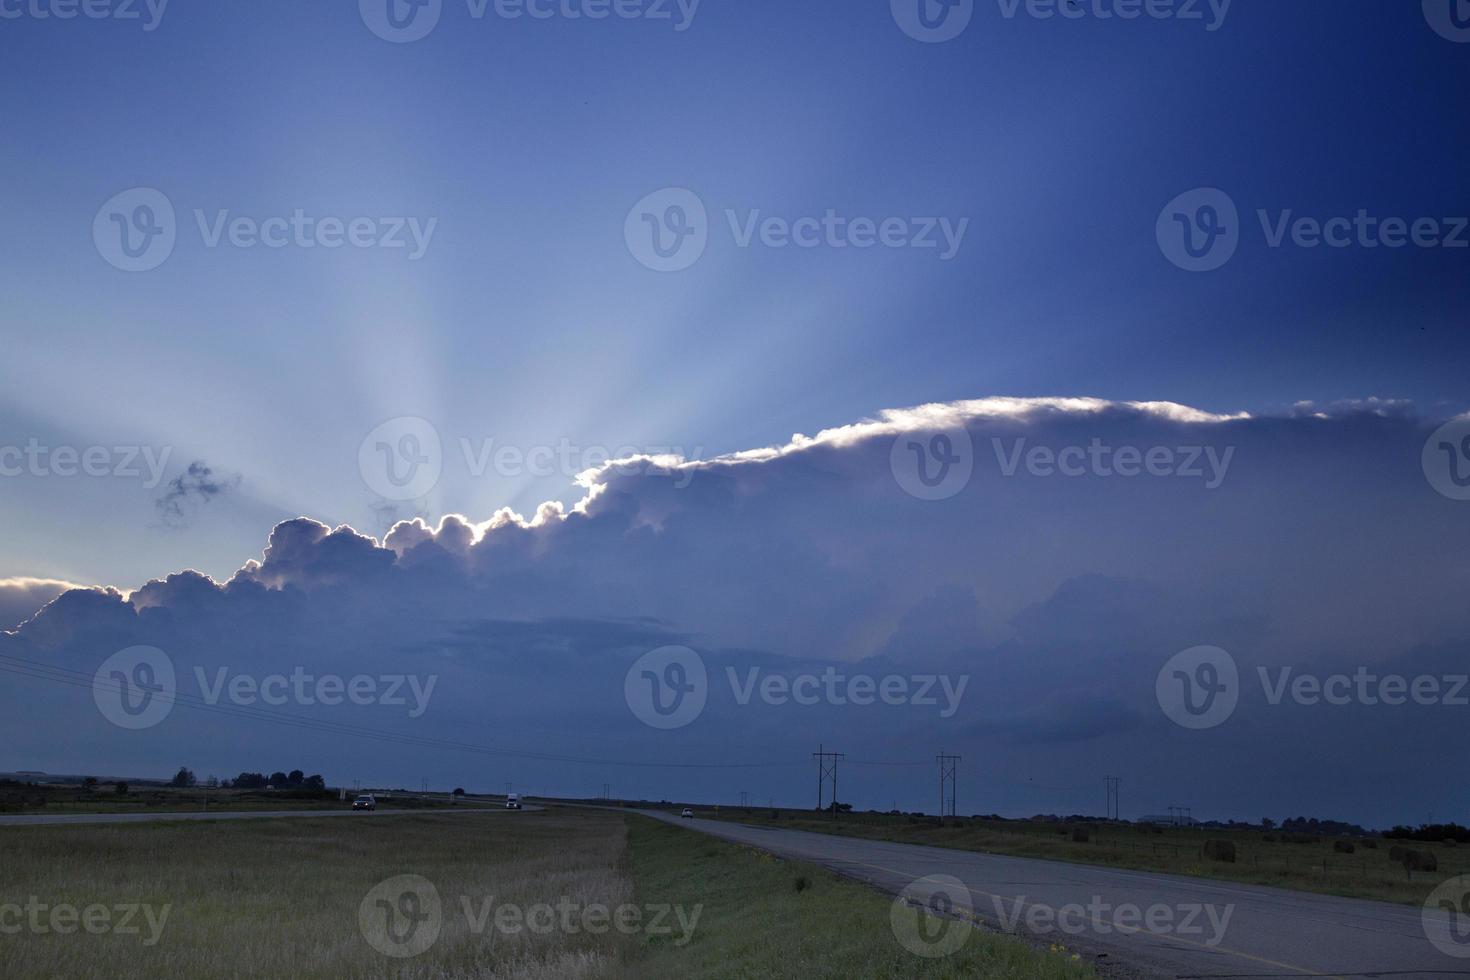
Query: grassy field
{"points": [[757, 924], [1314, 866], [324, 898]]}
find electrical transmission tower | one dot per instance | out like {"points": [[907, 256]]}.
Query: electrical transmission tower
{"points": [[1112, 784], [607, 791], [744, 798], [947, 765], [827, 769]]}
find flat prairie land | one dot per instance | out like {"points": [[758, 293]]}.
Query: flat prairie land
{"points": [[530, 896], [1312, 864]]}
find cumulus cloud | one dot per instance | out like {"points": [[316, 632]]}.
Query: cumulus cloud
{"points": [[1087, 545], [22, 598]]}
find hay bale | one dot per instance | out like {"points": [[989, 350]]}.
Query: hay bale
{"points": [[1397, 853], [1420, 861], [1220, 850], [1080, 835], [1343, 847]]}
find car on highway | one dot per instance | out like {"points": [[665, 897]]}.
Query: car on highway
{"points": [[513, 801], [688, 813], [364, 802]]}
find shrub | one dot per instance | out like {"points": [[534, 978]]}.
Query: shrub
{"points": [[1081, 836], [803, 883], [1220, 850], [1343, 847]]}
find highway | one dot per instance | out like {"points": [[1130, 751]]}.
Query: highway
{"points": [[1210, 928]]}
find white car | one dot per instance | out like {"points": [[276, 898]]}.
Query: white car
{"points": [[687, 814]]}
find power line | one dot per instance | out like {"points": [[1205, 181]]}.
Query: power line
{"points": [[947, 765]]}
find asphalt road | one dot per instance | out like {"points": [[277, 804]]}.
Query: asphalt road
{"points": [[43, 819], [1207, 928]]}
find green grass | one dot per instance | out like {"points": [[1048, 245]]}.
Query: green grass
{"points": [[755, 923], [283, 898], [1314, 867]]}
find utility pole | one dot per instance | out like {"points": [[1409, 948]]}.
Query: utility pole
{"points": [[1112, 784], [607, 791], [947, 777], [827, 766], [744, 798]]}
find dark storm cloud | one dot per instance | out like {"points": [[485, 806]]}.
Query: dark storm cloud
{"points": [[1058, 597]]}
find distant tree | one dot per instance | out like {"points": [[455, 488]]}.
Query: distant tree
{"points": [[89, 783], [1267, 823], [459, 791], [183, 779], [278, 779], [212, 782], [314, 782], [121, 788], [250, 780]]}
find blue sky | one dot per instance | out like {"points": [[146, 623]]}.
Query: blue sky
{"points": [[520, 148], [528, 322]]}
